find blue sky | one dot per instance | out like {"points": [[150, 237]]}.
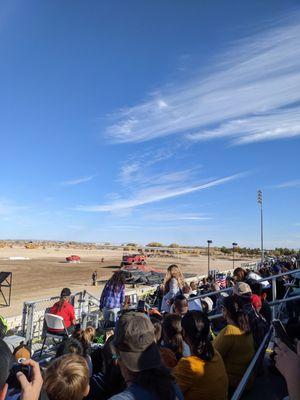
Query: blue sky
{"points": [[142, 120]]}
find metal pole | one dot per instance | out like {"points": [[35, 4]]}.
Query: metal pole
{"points": [[260, 202], [208, 256], [262, 234], [233, 247]]}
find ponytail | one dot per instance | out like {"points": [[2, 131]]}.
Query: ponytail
{"points": [[196, 327], [234, 307]]}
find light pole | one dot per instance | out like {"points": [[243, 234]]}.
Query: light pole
{"points": [[209, 242], [260, 202], [233, 247]]}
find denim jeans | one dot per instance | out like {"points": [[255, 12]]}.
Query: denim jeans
{"points": [[110, 314]]}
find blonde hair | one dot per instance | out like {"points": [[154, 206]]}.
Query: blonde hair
{"points": [[173, 271], [67, 378]]}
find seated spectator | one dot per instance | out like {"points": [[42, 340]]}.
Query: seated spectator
{"points": [[207, 304], [288, 364], [64, 309], [67, 378], [265, 309], [181, 305], [194, 288], [240, 275], [168, 358], [86, 337], [140, 361], [201, 375], [258, 325], [172, 334], [235, 341], [113, 296], [6, 362], [69, 346], [107, 379]]}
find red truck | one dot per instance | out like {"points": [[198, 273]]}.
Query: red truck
{"points": [[133, 259], [73, 259]]}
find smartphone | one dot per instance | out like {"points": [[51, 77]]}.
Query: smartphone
{"points": [[280, 332], [12, 379], [141, 306]]}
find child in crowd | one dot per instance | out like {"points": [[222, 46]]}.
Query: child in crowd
{"points": [[67, 378], [181, 305]]}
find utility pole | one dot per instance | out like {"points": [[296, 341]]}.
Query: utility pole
{"points": [[209, 242], [233, 247], [260, 202]]}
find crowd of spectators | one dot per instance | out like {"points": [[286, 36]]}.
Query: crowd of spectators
{"points": [[176, 352]]}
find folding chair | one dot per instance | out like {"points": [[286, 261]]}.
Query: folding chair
{"points": [[54, 322]]}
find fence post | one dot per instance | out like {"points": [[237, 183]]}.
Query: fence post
{"points": [[29, 328], [24, 317], [274, 295]]}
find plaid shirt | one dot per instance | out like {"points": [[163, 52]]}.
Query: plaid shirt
{"points": [[112, 297]]}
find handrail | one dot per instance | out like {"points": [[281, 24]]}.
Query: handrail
{"points": [[269, 278], [240, 389]]}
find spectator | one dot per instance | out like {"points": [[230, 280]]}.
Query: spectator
{"points": [[167, 356], [140, 361], [94, 278], [240, 275], [194, 288], [201, 375], [6, 362], [207, 304], [288, 364], [172, 334], [69, 346], [113, 296], [173, 284], [235, 341], [265, 309], [64, 309], [181, 305], [67, 378], [86, 337], [258, 325]]}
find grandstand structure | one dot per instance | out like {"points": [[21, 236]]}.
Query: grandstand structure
{"points": [[5, 288]]}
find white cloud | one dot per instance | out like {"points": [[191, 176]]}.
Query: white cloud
{"points": [[245, 95], [289, 184], [78, 181], [8, 208], [155, 194]]}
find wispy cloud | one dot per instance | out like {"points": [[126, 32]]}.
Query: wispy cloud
{"points": [[288, 184], [77, 181], [7, 208], [251, 94], [155, 194], [164, 216]]}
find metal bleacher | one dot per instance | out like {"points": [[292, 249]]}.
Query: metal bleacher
{"points": [[267, 386]]}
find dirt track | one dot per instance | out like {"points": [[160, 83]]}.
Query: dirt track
{"points": [[46, 272]]}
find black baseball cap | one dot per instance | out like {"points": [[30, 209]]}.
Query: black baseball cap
{"points": [[65, 292], [6, 362]]}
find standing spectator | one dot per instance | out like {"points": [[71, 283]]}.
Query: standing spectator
{"points": [[113, 296], [235, 341], [140, 362], [64, 309], [202, 375], [173, 284], [94, 278]]}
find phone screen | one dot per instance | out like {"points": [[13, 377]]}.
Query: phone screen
{"points": [[280, 332]]}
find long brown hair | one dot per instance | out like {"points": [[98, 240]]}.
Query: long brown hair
{"points": [[117, 281], [173, 271], [85, 337], [234, 307], [172, 334]]}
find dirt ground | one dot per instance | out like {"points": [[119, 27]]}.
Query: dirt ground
{"points": [[46, 272]]}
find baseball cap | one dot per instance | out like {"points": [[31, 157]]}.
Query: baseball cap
{"points": [[65, 292], [209, 302], [135, 342], [256, 301], [241, 288]]}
